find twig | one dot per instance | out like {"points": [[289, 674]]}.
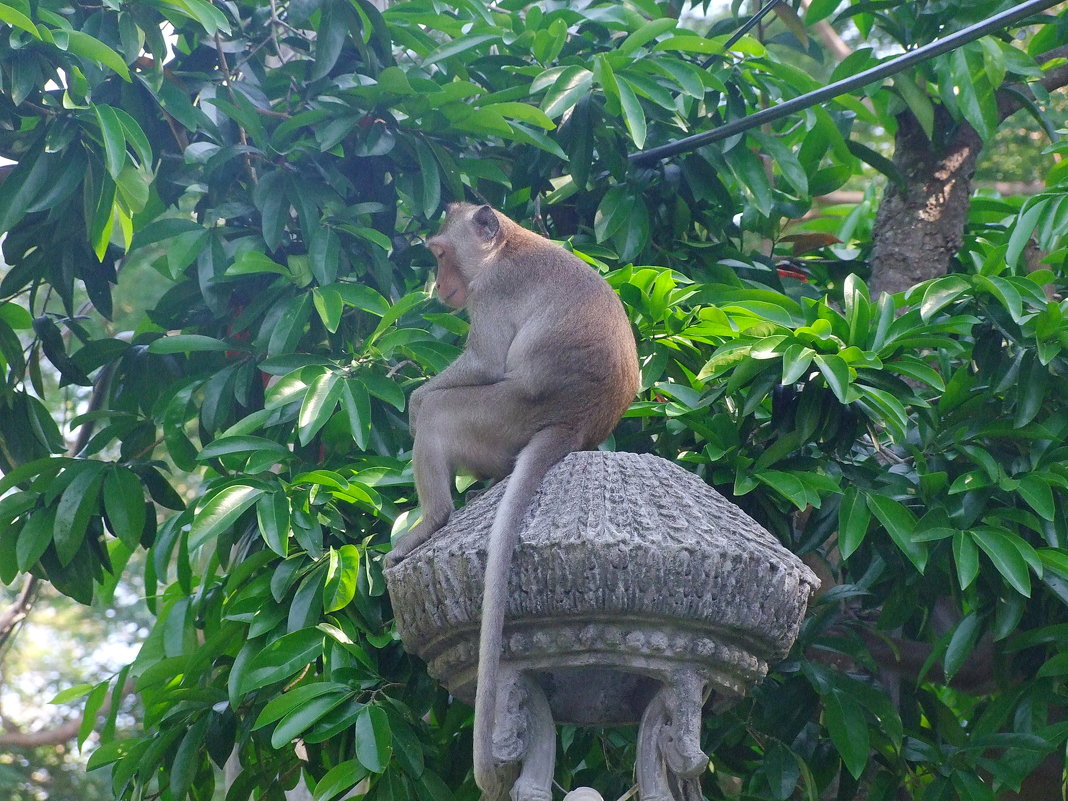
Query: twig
{"points": [[233, 98], [17, 611]]}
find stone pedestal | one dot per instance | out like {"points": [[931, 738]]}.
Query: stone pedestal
{"points": [[636, 590]]}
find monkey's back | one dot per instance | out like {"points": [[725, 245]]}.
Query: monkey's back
{"points": [[585, 379]]}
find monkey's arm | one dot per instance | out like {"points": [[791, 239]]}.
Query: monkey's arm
{"points": [[482, 363]]}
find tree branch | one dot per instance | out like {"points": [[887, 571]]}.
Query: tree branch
{"points": [[1009, 96], [17, 611], [63, 733]]}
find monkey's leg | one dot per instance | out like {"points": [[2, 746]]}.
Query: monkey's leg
{"points": [[480, 429]]}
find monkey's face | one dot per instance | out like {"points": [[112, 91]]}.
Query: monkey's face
{"points": [[463, 247], [450, 283]]}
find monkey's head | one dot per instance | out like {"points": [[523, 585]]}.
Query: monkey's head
{"points": [[468, 235]]}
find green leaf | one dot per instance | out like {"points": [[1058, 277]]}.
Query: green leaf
{"points": [[780, 767], [1031, 391], [524, 112], [941, 292], [16, 19], [340, 779], [92, 707], [1005, 292], [77, 503], [787, 485], [135, 136], [272, 516], [188, 343], [1054, 667], [301, 719], [281, 659], [848, 728], [836, 373], [820, 9], [282, 705], [612, 212], [646, 33], [571, 84], [15, 316], [966, 557], [290, 328], [72, 694], [383, 388], [356, 404], [878, 161], [633, 116], [461, 44], [430, 176], [853, 520], [1055, 559], [1039, 495], [969, 787], [1023, 228], [319, 404], [324, 252], [918, 101], [341, 576], [373, 739], [124, 504], [330, 40], [1008, 560], [329, 304], [22, 187], [114, 139], [899, 523], [35, 537], [187, 759], [243, 443], [961, 644], [252, 262], [796, 360], [749, 170], [85, 46], [221, 511]]}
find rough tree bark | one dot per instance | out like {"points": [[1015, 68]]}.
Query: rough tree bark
{"points": [[920, 226]]}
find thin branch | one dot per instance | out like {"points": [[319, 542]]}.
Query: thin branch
{"points": [[11, 617], [829, 36], [1009, 99], [63, 733], [225, 67]]}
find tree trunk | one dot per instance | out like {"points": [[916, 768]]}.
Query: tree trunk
{"points": [[920, 226]]}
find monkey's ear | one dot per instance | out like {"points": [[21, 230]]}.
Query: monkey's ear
{"points": [[486, 223]]}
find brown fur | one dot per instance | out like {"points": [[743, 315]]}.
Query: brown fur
{"points": [[549, 367]]}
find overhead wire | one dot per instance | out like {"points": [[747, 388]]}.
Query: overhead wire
{"points": [[845, 85]]}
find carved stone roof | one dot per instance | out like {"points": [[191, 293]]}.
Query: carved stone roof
{"points": [[625, 562]]}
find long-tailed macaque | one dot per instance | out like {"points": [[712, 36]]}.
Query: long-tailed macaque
{"points": [[549, 367]]}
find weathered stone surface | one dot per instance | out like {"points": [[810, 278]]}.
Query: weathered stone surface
{"points": [[629, 572]]}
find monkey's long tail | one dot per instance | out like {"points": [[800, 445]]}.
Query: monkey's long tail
{"points": [[545, 449]]}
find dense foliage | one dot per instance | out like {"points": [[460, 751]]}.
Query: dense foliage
{"points": [[266, 172]]}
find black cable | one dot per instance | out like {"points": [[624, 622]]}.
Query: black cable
{"points": [[742, 31], [845, 85]]}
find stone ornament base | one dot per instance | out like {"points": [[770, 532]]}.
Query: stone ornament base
{"points": [[636, 590]]}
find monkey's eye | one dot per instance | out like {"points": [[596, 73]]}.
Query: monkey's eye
{"points": [[436, 249]]}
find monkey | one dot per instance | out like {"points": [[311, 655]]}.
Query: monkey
{"points": [[549, 367]]}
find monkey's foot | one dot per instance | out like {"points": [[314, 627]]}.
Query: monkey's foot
{"points": [[405, 545]]}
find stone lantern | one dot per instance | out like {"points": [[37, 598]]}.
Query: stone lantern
{"points": [[636, 591]]}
